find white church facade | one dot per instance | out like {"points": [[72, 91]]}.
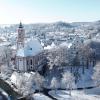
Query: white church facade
{"points": [[30, 54]]}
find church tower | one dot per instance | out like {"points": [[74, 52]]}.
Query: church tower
{"points": [[21, 36]]}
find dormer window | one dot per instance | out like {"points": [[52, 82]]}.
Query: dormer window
{"points": [[30, 48]]}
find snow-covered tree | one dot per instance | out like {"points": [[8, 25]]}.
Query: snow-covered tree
{"points": [[88, 55], [5, 53], [96, 74], [68, 81], [54, 83], [5, 70], [23, 82], [39, 80], [57, 56]]}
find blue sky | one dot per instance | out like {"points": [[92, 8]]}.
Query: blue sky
{"points": [[35, 11]]}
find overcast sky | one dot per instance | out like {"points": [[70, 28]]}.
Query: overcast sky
{"points": [[35, 11]]}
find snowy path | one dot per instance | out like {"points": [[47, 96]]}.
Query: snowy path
{"points": [[87, 94]]}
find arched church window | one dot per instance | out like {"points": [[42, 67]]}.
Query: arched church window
{"points": [[77, 53], [20, 59], [31, 61], [27, 62]]}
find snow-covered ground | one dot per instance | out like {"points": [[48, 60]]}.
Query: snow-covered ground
{"points": [[86, 78], [87, 94], [39, 96]]}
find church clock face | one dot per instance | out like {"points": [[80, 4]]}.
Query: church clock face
{"points": [[20, 31]]}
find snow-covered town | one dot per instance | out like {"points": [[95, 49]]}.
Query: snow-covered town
{"points": [[56, 65], [49, 50]]}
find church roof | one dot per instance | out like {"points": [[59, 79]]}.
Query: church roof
{"points": [[31, 48]]}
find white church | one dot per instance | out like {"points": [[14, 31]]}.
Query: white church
{"points": [[30, 54]]}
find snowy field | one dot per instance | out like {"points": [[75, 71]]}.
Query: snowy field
{"points": [[87, 94], [39, 96]]}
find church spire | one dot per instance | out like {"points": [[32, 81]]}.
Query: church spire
{"points": [[20, 25], [21, 36]]}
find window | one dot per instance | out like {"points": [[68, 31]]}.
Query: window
{"points": [[27, 62], [31, 61], [76, 53], [82, 41], [30, 48], [70, 38], [20, 59]]}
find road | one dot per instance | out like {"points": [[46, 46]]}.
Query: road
{"points": [[3, 95], [6, 87]]}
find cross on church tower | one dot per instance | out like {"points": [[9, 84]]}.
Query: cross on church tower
{"points": [[21, 36]]}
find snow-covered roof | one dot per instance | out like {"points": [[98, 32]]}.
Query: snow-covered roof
{"points": [[5, 43], [28, 75], [3, 39], [31, 48], [65, 44], [14, 77], [21, 52], [50, 46], [14, 47]]}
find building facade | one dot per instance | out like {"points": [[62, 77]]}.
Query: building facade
{"points": [[30, 54]]}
